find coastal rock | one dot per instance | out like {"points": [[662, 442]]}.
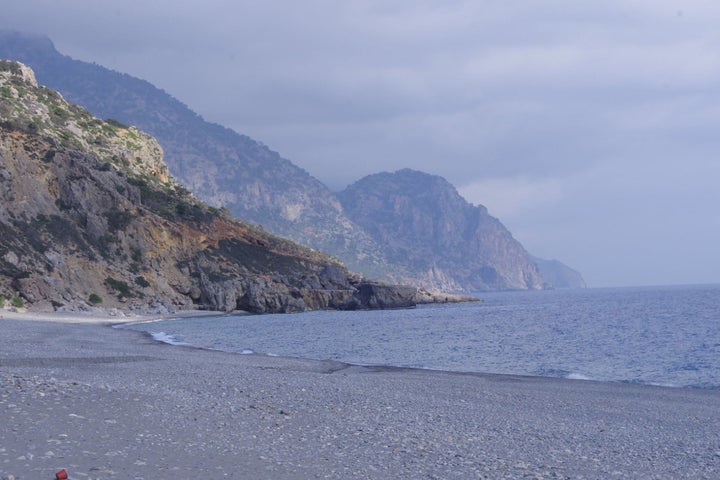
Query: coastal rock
{"points": [[378, 295]]}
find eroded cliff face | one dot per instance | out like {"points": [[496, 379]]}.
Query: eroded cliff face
{"points": [[440, 240], [88, 213]]}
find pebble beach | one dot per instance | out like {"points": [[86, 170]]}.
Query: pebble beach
{"points": [[106, 403]]}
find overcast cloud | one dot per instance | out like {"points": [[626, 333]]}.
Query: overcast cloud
{"points": [[589, 128]]}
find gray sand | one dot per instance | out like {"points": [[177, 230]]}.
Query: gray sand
{"points": [[107, 403]]}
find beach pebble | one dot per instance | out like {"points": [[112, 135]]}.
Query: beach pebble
{"points": [[187, 413]]}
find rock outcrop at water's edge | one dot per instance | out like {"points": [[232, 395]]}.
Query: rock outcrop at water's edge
{"points": [[89, 216]]}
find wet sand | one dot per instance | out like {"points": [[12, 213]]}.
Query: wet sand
{"points": [[107, 403]]}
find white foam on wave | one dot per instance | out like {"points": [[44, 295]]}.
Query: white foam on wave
{"points": [[150, 320], [247, 351], [661, 384], [578, 376], [166, 338], [121, 326]]}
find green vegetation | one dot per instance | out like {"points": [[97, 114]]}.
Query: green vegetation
{"points": [[259, 258], [172, 202], [33, 127], [2, 301], [60, 113], [118, 219], [140, 280], [119, 286], [69, 140], [49, 156], [44, 230], [20, 114], [17, 302], [132, 146], [95, 299], [114, 123], [109, 128], [8, 66]]}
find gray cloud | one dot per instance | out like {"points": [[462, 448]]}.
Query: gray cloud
{"points": [[587, 127]]}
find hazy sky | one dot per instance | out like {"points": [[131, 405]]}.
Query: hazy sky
{"points": [[591, 129]]}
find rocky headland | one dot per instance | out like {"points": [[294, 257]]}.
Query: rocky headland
{"points": [[256, 184], [91, 217]]}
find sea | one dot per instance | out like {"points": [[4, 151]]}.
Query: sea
{"points": [[668, 336]]}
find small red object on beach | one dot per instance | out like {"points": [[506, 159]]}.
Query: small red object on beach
{"points": [[61, 475]]}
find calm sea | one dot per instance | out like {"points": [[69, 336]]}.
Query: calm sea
{"points": [[653, 335]]}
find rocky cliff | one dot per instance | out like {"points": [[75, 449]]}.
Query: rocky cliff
{"points": [[256, 184], [220, 166], [89, 215], [437, 237]]}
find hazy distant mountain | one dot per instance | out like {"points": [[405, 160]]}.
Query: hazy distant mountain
{"points": [[436, 236], [558, 275], [228, 169]]}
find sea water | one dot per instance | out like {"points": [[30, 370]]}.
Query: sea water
{"points": [[651, 335]]}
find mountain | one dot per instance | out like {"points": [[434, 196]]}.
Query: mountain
{"points": [[89, 214], [437, 237], [556, 274], [217, 164], [230, 170]]}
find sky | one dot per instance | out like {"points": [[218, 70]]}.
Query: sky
{"points": [[590, 129]]}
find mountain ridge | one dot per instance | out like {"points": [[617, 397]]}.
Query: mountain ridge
{"points": [[232, 170], [89, 214]]}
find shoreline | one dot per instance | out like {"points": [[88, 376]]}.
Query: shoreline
{"points": [[373, 367], [570, 375], [113, 403], [104, 317], [116, 321]]}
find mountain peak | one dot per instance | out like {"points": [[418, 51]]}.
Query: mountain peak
{"points": [[407, 176], [28, 44], [439, 240]]}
